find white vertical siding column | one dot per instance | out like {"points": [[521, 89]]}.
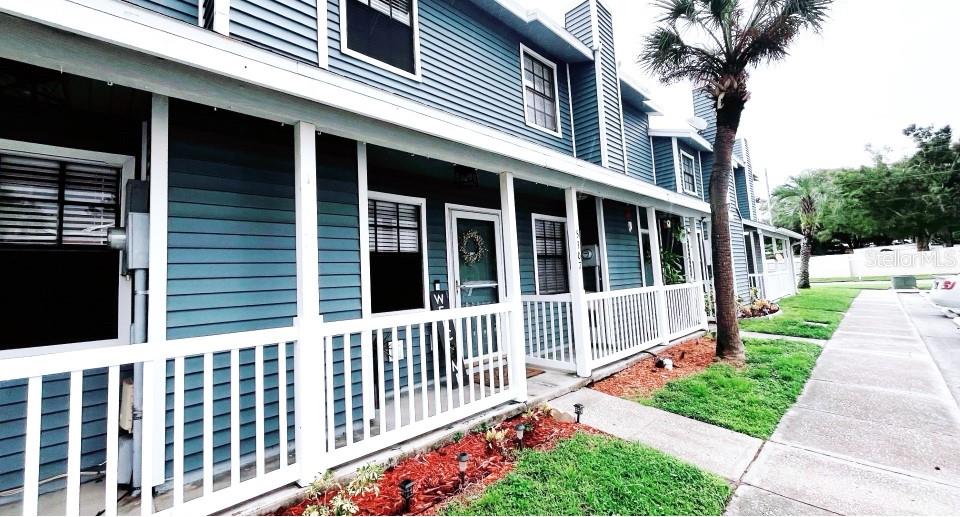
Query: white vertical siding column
{"points": [[309, 381], [581, 335], [221, 17], [677, 173], [793, 273], [663, 328], [762, 272], [508, 208]]}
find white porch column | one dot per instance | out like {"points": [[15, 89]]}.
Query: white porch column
{"points": [[508, 209], [581, 334], [663, 326], [309, 388], [793, 267], [762, 272]]}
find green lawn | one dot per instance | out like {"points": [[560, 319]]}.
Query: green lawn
{"points": [[813, 313], [597, 475], [750, 400]]}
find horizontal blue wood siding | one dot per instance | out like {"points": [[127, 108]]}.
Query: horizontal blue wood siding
{"points": [[231, 228], [664, 163], [623, 246], [288, 27], [183, 10], [738, 248], [639, 152], [533, 199], [338, 229], [578, 22], [54, 427], [703, 107], [586, 112], [610, 90], [470, 68]]}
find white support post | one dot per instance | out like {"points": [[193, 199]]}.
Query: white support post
{"points": [[366, 339], [154, 372], [793, 272], [663, 327], [603, 283], [581, 334], [309, 381], [508, 213], [762, 277]]}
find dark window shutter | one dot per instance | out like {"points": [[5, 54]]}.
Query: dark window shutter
{"points": [[551, 257]]}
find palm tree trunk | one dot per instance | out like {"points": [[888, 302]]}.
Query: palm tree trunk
{"points": [[729, 344], [805, 249]]}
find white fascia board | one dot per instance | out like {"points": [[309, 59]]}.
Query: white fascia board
{"points": [[783, 232], [289, 91], [737, 162], [637, 95], [538, 27], [689, 136]]}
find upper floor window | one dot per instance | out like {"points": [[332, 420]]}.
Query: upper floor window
{"points": [[540, 95], [688, 173], [550, 252], [383, 32]]}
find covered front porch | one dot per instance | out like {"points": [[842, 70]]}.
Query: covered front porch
{"points": [[309, 299], [770, 260]]}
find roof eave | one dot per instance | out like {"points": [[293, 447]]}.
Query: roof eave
{"points": [[538, 28]]}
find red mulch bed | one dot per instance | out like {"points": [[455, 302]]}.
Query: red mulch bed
{"points": [[644, 378], [436, 475]]}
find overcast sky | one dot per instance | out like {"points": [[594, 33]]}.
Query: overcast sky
{"points": [[877, 67]]}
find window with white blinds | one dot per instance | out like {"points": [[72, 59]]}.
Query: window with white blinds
{"points": [[394, 227], [551, 251], [56, 202], [399, 10], [397, 255]]}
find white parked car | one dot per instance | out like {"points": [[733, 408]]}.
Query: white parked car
{"points": [[946, 292]]}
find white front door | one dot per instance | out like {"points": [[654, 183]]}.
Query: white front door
{"points": [[474, 256]]}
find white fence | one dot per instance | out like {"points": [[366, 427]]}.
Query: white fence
{"points": [[412, 373], [548, 328], [187, 412]]}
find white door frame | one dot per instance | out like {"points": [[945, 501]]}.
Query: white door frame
{"points": [[127, 165], [454, 212]]}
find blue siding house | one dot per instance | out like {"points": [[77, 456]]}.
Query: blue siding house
{"points": [[278, 236]]}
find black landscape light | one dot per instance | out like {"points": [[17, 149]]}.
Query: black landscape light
{"points": [[578, 410], [462, 460], [520, 429], [406, 492]]}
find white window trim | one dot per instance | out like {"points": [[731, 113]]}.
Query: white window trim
{"points": [[684, 154], [641, 231], [127, 164], [556, 92], [422, 203], [344, 47], [536, 271]]}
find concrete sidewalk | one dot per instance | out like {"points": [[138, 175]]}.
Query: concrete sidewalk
{"points": [[876, 430], [709, 447]]}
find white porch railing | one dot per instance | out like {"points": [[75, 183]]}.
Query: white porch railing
{"points": [[685, 309], [621, 323], [188, 385], [548, 328], [411, 373]]}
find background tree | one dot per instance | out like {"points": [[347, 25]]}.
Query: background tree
{"points": [[805, 192], [715, 44]]}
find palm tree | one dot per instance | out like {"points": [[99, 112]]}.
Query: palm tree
{"points": [[805, 192], [715, 43]]}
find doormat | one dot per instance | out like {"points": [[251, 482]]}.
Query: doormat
{"points": [[494, 379]]}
